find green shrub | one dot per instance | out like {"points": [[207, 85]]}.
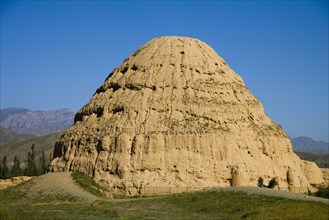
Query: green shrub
{"points": [[273, 183], [260, 182], [323, 192]]}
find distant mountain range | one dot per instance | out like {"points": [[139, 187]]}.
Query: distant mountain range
{"points": [[38, 123], [306, 144]]}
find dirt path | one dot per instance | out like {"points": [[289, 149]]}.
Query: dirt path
{"points": [[58, 183]]}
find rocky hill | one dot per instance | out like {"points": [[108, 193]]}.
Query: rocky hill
{"points": [[10, 136], [4, 113], [174, 115], [38, 123], [21, 147], [306, 144]]}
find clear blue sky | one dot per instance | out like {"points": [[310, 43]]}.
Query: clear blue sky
{"points": [[57, 53]]}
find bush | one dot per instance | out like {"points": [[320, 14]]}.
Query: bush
{"points": [[323, 192], [260, 182], [273, 183]]}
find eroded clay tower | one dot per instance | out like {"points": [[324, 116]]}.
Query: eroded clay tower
{"points": [[175, 115]]}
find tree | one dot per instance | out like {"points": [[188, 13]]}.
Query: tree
{"points": [[4, 170], [16, 169], [42, 163], [31, 168]]}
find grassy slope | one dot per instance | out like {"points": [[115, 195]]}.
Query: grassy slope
{"points": [[15, 204], [9, 136], [87, 183], [21, 148]]}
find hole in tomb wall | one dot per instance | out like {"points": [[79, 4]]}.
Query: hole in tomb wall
{"points": [[117, 171], [78, 117], [124, 70], [109, 76], [133, 148], [99, 112], [118, 109], [101, 89], [134, 67], [59, 151], [114, 86], [99, 147]]}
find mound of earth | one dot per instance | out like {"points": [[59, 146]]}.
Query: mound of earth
{"points": [[175, 115], [56, 184]]}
